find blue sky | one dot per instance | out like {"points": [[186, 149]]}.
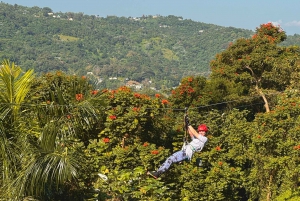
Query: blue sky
{"points": [[235, 13]]}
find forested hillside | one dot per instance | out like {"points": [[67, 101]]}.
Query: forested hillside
{"points": [[162, 49]]}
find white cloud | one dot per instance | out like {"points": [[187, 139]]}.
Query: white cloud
{"points": [[293, 23], [277, 23]]}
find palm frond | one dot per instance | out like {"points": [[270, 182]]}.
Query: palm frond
{"points": [[14, 88], [8, 153], [45, 172]]}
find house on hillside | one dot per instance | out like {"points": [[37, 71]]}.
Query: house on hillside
{"points": [[134, 84]]}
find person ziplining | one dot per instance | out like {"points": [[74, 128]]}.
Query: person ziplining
{"points": [[196, 145]]}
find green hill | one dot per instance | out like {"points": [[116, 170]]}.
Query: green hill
{"points": [[160, 49]]}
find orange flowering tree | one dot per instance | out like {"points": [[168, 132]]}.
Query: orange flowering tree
{"points": [[190, 93], [255, 66], [136, 116], [275, 152], [135, 139]]}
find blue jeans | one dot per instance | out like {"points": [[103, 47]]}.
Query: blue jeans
{"points": [[174, 158]]}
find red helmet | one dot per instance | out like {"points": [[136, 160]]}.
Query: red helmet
{"points": [[202, 127]]}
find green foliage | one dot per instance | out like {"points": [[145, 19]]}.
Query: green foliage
{"points": [[64, 97], [289, 196], [125, 168]]}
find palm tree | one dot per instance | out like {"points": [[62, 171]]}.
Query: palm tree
{"points": [[14, 87], [53, 131], [51, 165]]}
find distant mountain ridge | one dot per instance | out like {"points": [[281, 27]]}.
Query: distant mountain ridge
{"points": [[160, 49]]}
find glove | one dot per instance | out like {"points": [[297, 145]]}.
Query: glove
{"points": [[187, 121]]}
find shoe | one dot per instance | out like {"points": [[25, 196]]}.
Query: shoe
{"points": [[153, 174], [199, 162]]}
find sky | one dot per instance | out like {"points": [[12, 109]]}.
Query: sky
{"points": [[243, 14]]}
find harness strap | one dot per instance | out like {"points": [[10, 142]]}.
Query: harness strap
{"points": [[193, 148]]}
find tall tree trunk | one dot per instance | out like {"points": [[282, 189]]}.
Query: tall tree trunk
{"points": [[263, 97], [259, 91]]}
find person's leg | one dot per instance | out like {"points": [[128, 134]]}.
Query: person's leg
{"points": [[174, 158]]}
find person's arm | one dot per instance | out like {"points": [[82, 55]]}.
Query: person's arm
{"points": [[190, 132], [193, 133]]}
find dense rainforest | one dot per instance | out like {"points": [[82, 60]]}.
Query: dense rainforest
{"points": [[157, 51], [63, 138]]}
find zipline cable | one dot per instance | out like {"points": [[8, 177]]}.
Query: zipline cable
{"points": [[147, 108]]}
